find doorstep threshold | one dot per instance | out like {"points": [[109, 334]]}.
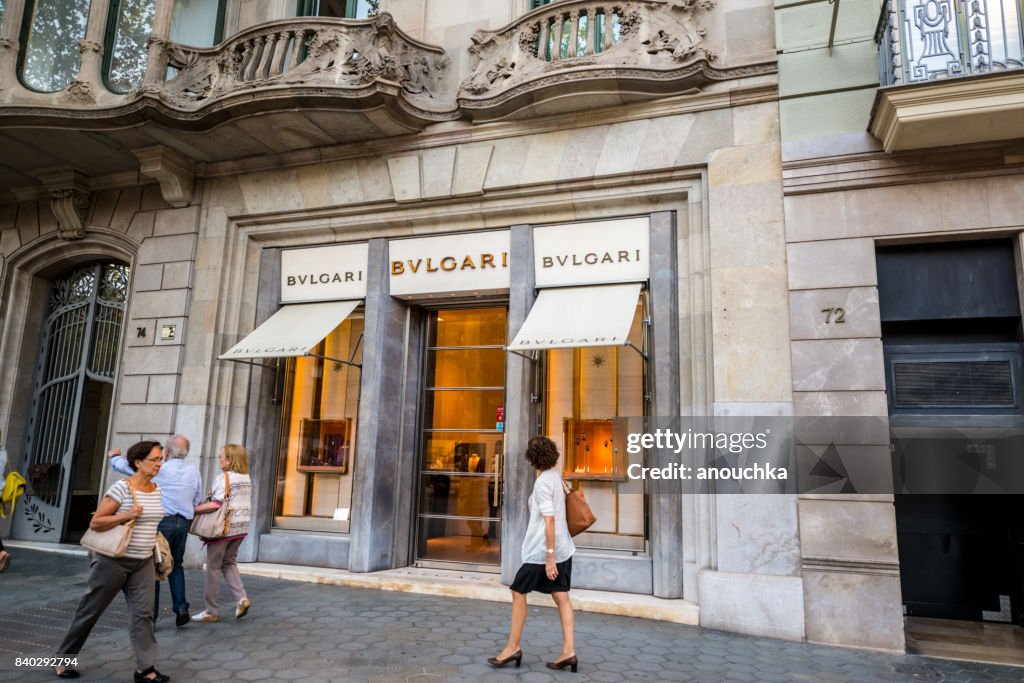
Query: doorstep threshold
{"points": [[59, 548], [478, 586]]}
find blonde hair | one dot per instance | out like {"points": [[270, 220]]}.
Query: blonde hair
{"points": [[237, 460]]}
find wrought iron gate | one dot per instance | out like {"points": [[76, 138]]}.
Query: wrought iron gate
{"points": [[78, 352]]}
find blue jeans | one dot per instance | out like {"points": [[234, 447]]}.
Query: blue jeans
{"points": [[175, 530]]}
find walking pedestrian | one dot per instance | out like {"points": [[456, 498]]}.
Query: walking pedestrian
{"points": [[234, 486], [135, 498], [547, 558], [181, 487]]}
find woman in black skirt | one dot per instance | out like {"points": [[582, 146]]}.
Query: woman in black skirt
{"points": [[547, 557]]}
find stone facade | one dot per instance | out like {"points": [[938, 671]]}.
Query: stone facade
{"points": [[764, 211], [844, 198]]}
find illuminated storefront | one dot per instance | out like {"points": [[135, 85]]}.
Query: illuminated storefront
{"points": [[403, 377]]}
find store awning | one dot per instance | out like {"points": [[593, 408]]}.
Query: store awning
{"points": [[292, 331], [571, 317]]}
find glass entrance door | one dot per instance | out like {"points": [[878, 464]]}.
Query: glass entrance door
{"points": [[461, 462]]}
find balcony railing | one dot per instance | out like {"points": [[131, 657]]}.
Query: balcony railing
{"points": [[927, 40], [306, 52], [614, 50]]}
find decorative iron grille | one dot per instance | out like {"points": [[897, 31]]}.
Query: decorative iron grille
{"points": [[81, 336], [925, 40]]}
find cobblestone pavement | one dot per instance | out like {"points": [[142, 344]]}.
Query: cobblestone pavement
{"points": [[308, 632]]}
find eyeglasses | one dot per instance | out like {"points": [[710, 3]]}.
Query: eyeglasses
{"points": [[160, 459]]}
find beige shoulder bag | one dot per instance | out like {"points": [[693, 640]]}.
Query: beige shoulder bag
{"points": [[112, 542], [215, 524]]}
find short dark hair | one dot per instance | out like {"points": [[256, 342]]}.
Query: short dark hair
{"points": [[542, 453], [140, 451]]}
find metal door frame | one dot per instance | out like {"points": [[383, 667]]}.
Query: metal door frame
{"points": [[431, 311], [42, 517]]}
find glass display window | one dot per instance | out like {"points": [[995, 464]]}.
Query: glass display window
{"points": [[315, 465], [589, 393]]}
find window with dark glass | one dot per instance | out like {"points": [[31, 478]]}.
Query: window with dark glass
{"points": [[318, 434], [50, 55], [343, 9], [129, 24]]}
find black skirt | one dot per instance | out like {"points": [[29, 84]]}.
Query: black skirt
{"points": [[533, 577]]}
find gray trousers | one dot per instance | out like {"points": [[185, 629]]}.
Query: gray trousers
{"points": [[107, 577], [222, 560]]}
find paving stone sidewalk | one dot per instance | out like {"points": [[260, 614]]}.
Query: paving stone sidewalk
{"points": [[308, 632]]}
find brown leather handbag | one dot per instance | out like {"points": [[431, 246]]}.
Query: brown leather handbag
{"points": [[578, 515]]}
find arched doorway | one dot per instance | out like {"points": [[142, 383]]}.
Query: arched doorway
{"points": [[71, 400]]}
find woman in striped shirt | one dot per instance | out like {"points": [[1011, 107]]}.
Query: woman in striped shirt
{"points": [[135, 498]]}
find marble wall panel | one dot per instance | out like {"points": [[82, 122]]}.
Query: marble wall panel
{"points": [[835, 263], [757, 534], [838, 365], [853, 531], [755, 604], [808, 318], [858, 610]]}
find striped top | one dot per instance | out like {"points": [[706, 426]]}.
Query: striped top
{"points": [[144, 534]]}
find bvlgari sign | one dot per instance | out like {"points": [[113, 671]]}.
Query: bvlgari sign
{"points": [[592, 253], [330, 273], [472, 262]]}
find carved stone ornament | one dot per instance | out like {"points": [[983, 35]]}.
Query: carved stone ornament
{"points": [[69, 205], [8, 44], [309, 52], [646, 47], [89, 46], [80, 92]]}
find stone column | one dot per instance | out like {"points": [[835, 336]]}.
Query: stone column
{"points": [[261, 430], [90, 70], [9, 46], [378, 444], [663, 366], [520, 409], [156, 61]]}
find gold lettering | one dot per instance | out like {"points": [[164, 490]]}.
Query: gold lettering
{"points": [[448, 260], [504, 259], [486, 260], [467, 263], [397, 268], [414, 267], [430, 269]]}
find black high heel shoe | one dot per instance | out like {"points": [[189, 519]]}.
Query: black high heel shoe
{"points": [[516, 657], [141, 676], [569, 662]]}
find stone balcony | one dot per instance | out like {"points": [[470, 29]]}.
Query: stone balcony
{"points": [[277, 87], [951, 73], [575, 55]]}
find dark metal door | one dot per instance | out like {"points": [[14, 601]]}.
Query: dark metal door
{"points": [[67, 429]]}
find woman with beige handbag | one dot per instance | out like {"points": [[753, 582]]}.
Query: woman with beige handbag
{"points": [[122, 535], [228, 510]]}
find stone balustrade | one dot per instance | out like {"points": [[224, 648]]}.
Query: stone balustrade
{"points": [[332, 54], [632, 49]]}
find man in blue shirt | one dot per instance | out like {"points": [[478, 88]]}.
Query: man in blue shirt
{"points": [[181, 489]]}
